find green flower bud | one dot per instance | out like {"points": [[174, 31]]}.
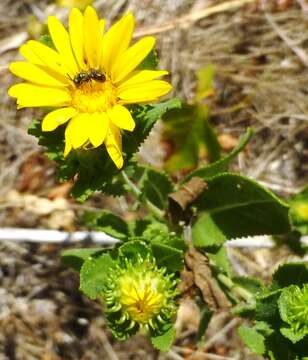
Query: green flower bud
{"points": [[139, 295], [293, 307]]}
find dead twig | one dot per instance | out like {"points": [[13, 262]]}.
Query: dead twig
{"points": [[187, 20], [303, 57]]}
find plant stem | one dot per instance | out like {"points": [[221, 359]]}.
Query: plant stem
{"points": [[138, 195], [237, 290]]}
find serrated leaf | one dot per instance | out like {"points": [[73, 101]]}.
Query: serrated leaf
{"points": [[208, 171], [133, 249], [74, 258], [292, 335], [163, 342], [291, 274], [267, 308], [155, 187], [234, 206], [252, 339], [168, 257], [112, 225], [94, 274]]}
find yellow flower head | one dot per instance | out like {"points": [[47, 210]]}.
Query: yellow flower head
{"points": [[90, 76], [139, 295]]}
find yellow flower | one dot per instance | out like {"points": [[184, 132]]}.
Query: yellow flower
{"points": [[89, 77], [141, 297]]}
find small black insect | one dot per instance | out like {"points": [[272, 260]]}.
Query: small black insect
{"points": [[85, 76]]}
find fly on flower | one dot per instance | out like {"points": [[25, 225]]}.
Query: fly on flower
{"points": [[89, 77]]}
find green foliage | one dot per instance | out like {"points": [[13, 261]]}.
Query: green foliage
{"points": [[205, 79], [111, 224], [168, 257], [154, 185], [189, 131], [205, 318], [233, 206], [293, 308], [46, 40], [299, 211], [150, 62], [164, 341], [74, 258], [211, 170], [93, 169], [253, 339], [94, 275], [281, 312]]}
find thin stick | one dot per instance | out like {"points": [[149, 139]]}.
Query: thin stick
{"points": [[303, 57], [186, 20]]}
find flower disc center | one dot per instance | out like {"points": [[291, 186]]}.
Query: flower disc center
{"points": [[93, 96]]}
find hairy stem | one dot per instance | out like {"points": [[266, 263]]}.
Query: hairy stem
{"points": [[236, 289], [138, 195]]}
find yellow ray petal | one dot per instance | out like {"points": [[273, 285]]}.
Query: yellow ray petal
{"points": [[145, 91], [57, 117], [76, 132], [116, 41], [113, 142], [98, 128], [141, 76], [121, 117], [37, 74], [29, 95], [62, 43], [92, 37], [28, 54], [77, 35], [68, 147], [48, 56], [102, 24], [131, 58]]}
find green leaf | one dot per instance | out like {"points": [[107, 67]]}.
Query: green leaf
{"points": [[93, 169], [169, 257], [221, 260], [299, 211], [94, 274], [150, 62], [253, 285], [234, 206], [112, 225], [163, 342], [133, 249], [292, 335], [74, 258], [155, 186], [211, 142], [267, 307], [205, 77], [47, 40], [252, 339], [205, 318], [185, 129], [208, 171], [291, 274]]}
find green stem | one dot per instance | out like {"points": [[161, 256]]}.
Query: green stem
{"points": [[138, 195], [237, 290]]}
